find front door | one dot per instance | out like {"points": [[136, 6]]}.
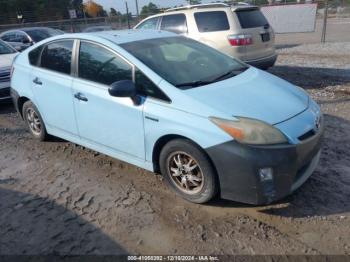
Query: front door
{"points": [[111, 122]]}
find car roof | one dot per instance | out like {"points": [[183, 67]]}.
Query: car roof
{"points": [[120, 36], [25, 29]]}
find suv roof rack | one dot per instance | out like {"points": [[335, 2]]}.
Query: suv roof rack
{"points": [[197, 6]]}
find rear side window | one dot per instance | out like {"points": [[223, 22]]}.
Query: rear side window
{"points": [[174, 23], [149, 24], [58, 56], [212, 21], [34, 56], [251, 18], [100, 65]]}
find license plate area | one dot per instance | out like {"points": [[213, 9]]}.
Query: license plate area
{"points": [[265, 37]]}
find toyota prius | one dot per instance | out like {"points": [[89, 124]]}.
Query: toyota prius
{"points": [[210, 124]]}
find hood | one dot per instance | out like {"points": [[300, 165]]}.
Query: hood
{"points": [[253, 94], [6, 60]]}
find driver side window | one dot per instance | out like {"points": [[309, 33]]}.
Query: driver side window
{"points": [[102, 66]]}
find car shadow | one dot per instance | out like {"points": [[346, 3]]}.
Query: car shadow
{"points": [[312, 77], [34, 225], [327, 191], [7, 108], [284, 46]]}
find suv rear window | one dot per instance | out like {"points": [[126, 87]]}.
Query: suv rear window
{"points": [[251, 18], [212, 21], [174, 23]]}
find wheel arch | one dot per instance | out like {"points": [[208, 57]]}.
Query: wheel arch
{"points": [[20, 102], [162, 141]]}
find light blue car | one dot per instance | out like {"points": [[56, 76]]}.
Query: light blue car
{"points": [[209, 123]]}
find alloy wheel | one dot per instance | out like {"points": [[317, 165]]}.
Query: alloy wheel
{"points": [[185, 173]]}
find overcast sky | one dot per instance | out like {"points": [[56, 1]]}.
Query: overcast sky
{"points": [[119, 5]]}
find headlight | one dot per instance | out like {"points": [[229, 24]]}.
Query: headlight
{"points": [[251, 131]]}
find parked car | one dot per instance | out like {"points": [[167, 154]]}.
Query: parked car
{"points": [[7, 55], [240, 31], [163, 102], [97, 29], [22, 38]]}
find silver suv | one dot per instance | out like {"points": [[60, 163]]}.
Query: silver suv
{"points": [[240, 31]]}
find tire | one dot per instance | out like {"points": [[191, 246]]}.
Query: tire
{"points": [[175, 164], [34, 121]]}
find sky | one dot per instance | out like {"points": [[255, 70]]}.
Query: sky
{"points": [[119, 5]]}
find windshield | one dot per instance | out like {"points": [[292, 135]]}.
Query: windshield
{"points": [[251, 18], [40, 34], [183, 62], [5, 49]]}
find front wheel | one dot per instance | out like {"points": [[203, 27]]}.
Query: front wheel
{"points": [[188, 171], [34, 121]]}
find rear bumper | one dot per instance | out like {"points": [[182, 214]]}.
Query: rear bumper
{"points": [[238, 168], [263, 63]]}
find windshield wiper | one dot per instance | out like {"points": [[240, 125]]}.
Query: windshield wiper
{"points": [[194, 83], [230, 74], [226, 75]]}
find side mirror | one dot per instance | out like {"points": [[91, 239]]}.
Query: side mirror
{"points": [[123, 88]]}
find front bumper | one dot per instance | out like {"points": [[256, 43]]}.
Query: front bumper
{"points": [[238, 167], [5, 93]]}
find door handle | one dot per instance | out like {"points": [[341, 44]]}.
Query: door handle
{"points": [[80, 97], [37, 81]]}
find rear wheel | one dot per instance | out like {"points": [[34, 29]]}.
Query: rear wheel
{"points": [[34, 121], [188, 171]]}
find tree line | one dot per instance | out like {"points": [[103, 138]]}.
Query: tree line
{"points": [[21, 11]]}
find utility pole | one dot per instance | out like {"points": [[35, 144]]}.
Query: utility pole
{"points": [[137, 8], [127, 13], [325, 16]]}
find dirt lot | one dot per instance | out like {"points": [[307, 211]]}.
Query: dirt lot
{"points": [[60, 198]]}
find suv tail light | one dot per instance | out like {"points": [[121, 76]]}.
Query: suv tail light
{"points": [[240, 40]]}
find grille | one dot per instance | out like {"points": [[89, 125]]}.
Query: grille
{"points": [[4, 92], [4, 76]]}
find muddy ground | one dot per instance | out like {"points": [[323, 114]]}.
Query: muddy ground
{"points": [[60, 198]]}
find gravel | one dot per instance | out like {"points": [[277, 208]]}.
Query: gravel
{"points": [[57, 197]]}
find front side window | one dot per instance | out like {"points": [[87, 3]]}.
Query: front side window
{"points": [[100, 65], [146, 87], [57, 56], [9, 37], [22, 38], [183, 62], [174, 23], [212, 21], [149, 24], [6, 49]]}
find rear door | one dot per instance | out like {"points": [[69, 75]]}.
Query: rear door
{"points": [[254, 23], [52, 85]]}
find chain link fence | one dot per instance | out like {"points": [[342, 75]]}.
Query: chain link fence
{"points": [[337, 26]]}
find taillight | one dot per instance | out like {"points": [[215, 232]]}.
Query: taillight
{"points": [[240, 40]]}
